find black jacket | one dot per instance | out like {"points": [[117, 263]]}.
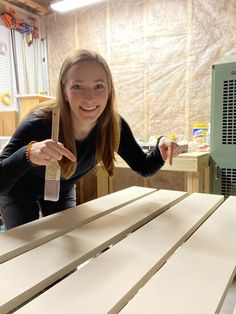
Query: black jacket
{"points": [[18, 176]]}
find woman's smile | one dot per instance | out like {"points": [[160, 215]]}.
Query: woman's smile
{"points": [[88, 108]]}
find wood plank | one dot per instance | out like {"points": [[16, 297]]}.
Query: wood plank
{"points": [[41, 10], [197, 277], [8, 122], [191, 162], [18, 240], [29, 273], [188, 162], [137, 258]]}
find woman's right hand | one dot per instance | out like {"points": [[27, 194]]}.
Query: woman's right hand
{"points": [[48, 151]]}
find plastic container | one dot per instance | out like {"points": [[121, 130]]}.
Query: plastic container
{"points": [[199, 133], [208, 134]]}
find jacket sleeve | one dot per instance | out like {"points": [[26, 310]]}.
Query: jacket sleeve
{"points": [[13, 163], [146, 164]]}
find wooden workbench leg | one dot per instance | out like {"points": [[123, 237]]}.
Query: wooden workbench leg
{"points": [[207, 180], [189, 182], [195, 182], [185, 182], [110, 185], [102, 182]]}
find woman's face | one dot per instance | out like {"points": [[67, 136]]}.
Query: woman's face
{"points": [[86, 90]]}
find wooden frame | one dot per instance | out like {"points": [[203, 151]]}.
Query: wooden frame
{"points": [[31, 101], [194, 164], [36, 7]]}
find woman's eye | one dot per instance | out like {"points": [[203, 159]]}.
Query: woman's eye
{"points": [[99, 86], [76, 86]]}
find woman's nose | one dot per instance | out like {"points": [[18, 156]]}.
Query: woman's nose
{"points": [[88, 94]]}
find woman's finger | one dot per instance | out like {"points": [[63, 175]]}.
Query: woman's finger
{"points": [[60, 150], [48, 151], [68, 154], [170, 152]]}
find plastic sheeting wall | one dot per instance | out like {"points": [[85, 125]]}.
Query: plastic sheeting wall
{"points": [[160, 53]]}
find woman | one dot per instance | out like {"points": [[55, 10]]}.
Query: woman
{"points": [[91, 131]]}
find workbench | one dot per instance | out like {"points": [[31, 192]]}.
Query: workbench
{"points": [[195, 165], [137, 250], [28, 102]]}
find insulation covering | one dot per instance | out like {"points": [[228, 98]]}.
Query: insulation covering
{"points": [[160, 53]]}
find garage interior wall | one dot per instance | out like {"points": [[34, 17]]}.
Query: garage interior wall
{"points": [[29, 62], [160, 53]]}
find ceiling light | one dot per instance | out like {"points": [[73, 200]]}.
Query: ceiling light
{"points": [[67, 5]]}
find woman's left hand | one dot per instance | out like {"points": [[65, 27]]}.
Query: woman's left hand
{"points": [[168, 149]]}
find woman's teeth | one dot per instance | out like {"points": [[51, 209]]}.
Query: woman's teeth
{"points": [[89, 108]]}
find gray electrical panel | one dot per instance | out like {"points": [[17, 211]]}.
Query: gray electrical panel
{"points": [[223, 126]]}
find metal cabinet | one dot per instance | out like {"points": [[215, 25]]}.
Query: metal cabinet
{"points": [[223, 126]]}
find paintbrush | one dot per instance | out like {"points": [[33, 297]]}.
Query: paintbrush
{"points": [[53, 171]]}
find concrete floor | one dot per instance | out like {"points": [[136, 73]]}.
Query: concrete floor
{"points": [[230, 300]]}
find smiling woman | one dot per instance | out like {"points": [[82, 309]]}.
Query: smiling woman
{"points": [[91, 131], [86, 90]]}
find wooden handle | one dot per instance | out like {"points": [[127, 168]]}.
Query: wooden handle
{"points": [[55, 123]]}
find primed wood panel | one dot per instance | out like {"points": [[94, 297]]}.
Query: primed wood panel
{"points": [[197, 277], [22, 238], [44, 265], [123, 269]]}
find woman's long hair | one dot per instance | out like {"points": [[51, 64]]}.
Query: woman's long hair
{"points": [[108, 123]]}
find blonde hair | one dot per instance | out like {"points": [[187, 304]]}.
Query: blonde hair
{"points": [[108, 123]]}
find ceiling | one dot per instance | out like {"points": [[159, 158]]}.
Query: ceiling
{"points": [[38, 7]]}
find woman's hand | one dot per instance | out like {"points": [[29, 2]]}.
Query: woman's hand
{"points": [[48, 151], [168, 149]]}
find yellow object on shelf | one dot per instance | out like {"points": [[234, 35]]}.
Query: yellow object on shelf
{"points": [[172, 137], [6, 98]]}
